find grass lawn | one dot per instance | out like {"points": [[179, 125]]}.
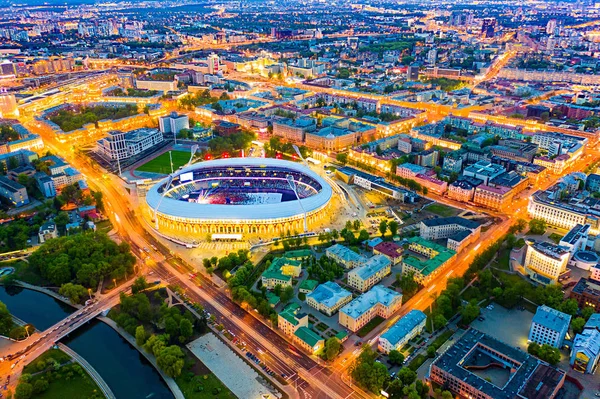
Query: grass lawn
{"points": [[441, 210], [367, 328], [79, 385], [417, 362], [104, 226], [503, 260], [197, 382], [555, 237], [439, 341], [162, 163], [203, 387]]}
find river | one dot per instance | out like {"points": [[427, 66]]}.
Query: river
{"points": [[128, 374]]}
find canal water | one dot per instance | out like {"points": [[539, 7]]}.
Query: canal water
{"points": [[128, 374]]}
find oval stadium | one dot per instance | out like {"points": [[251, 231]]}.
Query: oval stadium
{"points": [[239, 196]]}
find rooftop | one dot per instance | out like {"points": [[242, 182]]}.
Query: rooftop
{"points": [[308, 336], [371, 267], [551, 318], [376, 295], [404, 326], [527, 376], [466, 223], [388, 248], [329, 294], [344, 253]]}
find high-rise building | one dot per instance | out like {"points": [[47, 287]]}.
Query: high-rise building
{"points": [[551, 27], [487, 27], [412, 73], [213, 63], [432, 56], [8, 104]]}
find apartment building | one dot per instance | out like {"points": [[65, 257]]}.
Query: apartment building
{"points": [[370, 273], [549, 326], [405, 329], [379, 301], [328, 298]]}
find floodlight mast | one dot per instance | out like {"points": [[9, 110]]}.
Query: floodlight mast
{"points": [[292, 183]]}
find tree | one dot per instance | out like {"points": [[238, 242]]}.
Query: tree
{"points": [[356, 224], [363, 235], [407, 376], [332, 348], [24, 390], [407, 283], [368, 373], [6, 321], [396, 357], [40, 385], [342, 158], [439, 321], [469, 312], [140, 335], [570, 307], [73, 291], [383, 226], [447, 395], [99, 201], [587, 312], [139, 285], [431, 351], [537, 226], [287, 294], [393, 226], [186, 328], [170, 360], [577, 325]]}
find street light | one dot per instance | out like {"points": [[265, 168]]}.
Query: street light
{"points": [[115, 281], [90, 292], [292, 183]]}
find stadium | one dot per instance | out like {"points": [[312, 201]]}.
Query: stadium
{"points": [[239, 196]]}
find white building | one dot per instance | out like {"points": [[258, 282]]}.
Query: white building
{"points": [[549, 326], [173, 123], [545, 262], [123, 145], [403, 331]]}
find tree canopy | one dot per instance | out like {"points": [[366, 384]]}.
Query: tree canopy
{"points": [[82, 258]]}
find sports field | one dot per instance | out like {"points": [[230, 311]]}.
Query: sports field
{"points": [[162, 164]]}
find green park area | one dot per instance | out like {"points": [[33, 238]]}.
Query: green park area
{"points": [[162, 163], [53, 375], [441, 210], [72, 119]]}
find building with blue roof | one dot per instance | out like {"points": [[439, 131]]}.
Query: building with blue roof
{"points": [[370, 273], [379, 301], [549, 326], [405, 329], [344, 256], [328, 298], [585, 354]]}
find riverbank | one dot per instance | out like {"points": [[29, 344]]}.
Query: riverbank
{"points": [[169, 381]]}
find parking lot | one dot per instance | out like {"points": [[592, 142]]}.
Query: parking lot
{"points": [[510, 326]]}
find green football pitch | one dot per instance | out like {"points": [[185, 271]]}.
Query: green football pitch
{"points": [[162, 163]]}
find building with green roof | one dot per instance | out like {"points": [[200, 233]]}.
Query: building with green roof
{"points": [[429, 259], [308, 286], [290, 319], [281, 271], [308, 339], [298, 254]]}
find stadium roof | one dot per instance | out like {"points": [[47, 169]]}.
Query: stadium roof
{"points": [[237, 213]]}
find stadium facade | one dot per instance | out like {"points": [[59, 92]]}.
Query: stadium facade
{"points": [[239, 196]]}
